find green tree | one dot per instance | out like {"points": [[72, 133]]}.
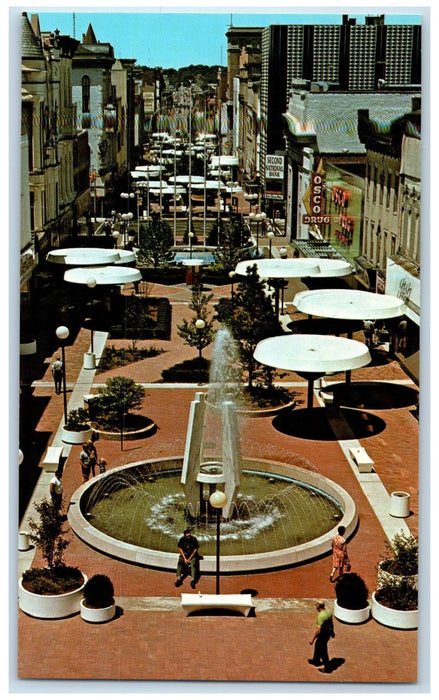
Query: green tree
{"points": [[231, 238], [250, 317], [48, 534], [194, 333], [156, 241], [116, 399]]}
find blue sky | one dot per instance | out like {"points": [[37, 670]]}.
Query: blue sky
{"points": [[172, 37]]}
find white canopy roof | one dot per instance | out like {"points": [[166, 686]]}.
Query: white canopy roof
{"points": [[125, 257], [288, 268], [209, 185], [83, 256], [224, 160], [331, 268], [185, 179], [312, 353], [102, 275], [351, 304]]}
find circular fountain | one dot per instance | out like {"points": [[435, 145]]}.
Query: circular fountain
{"points": [[277, 513]]}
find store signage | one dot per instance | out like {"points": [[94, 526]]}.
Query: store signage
{"points": [[321, 219], [317, 202], [274, 167]]}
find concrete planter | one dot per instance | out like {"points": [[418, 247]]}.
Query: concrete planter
{"points": [[352, 617], [385, 578], [76, 437], [390, 617], [50, 606], [29, 348], [97, 615]]}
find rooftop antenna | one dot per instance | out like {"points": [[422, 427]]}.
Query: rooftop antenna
{"points": [[74, 26], [231, 20]]}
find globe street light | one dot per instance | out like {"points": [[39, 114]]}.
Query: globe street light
{"points": [[270, 235], [218, 500], [62, 333], [191, 235]]}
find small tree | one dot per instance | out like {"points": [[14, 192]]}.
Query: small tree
{"points": [[230, 242], [119, 396], [156, 241], [48, 534], [198, 336], [250, 317]]}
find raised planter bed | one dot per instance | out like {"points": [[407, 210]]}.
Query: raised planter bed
{"points": [[50, 606], [390, 617]]}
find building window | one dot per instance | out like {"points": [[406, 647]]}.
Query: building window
{"points": [[85, 94]]}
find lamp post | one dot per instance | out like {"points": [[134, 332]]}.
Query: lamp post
{"points": [[259, 218], [190, 236], [200, 324], [232, 274], [62, 333], [128, 215], [270, 236], [218, 500], [89, 357]]}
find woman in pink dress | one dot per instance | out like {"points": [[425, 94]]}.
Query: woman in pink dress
{"points": [[339, 553]]}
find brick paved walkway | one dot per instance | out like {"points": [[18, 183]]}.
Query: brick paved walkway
{"points": [[272, 645]]}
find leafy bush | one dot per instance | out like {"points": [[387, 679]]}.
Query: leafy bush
{"points": [[99, 591], [351, 592], [77, 419], [48, 534], [60, 579], [119, 357], [398, 595], [402, 556], [114, 401]]}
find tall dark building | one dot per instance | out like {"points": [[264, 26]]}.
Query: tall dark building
{"points": [[346, 57]]}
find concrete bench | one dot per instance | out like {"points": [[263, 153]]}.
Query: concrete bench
{"points": [[362, 459], [52, 460], [192, 602]]}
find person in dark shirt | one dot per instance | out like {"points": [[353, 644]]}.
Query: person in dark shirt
{"points": [[189, 557]]}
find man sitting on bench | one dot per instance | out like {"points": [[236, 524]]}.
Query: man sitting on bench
{"points": [[188, 559]]}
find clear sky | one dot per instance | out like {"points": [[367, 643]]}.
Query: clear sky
{"points": [[171, 37]]}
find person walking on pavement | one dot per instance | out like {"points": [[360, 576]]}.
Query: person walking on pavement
{"points": [[84, 461], [56, 490], [323, 632], [57, 372], [92, 456], [340, 559], [189, 557]]}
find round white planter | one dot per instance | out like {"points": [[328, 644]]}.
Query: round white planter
{"points": [[352, 617], [76, 437], [97, 615], [400, 619], [28, 348], [385, 577], [399, 504], [50, 606]]}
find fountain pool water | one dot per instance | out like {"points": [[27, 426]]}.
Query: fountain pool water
{"points": [[285, 515]]}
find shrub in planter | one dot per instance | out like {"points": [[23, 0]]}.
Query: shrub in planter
{"points": [[77, 420], [114, 402], [351, 592], [99, 592], [398, 595], [53, 591], [402, 556]]}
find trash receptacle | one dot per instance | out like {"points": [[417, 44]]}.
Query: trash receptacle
{"points": [[399, 504], [23, 541]]}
